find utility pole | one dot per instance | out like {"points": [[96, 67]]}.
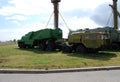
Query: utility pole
{"points": [[115, 13], [56, 12]]}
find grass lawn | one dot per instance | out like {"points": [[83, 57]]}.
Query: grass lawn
{"points": [[13, 57]]}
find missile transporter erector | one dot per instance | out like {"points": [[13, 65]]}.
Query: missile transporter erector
{"points": [[93, 40], [44, 39], [83, 41]]}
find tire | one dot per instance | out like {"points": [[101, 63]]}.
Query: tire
{"points": [[115, 46], [30, 47], [81, 49], [50, 46], [92, 50], [21, 45], [42, 45], [66, 49]]}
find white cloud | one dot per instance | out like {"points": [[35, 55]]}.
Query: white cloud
{"points": [[7, 10], [81, 23], [67, 5], [26, 7], [17, 17]]}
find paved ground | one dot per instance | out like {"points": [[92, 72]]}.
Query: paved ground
{"points": [[88, 76]]}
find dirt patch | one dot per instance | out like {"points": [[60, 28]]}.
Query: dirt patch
{"points": [[3, 60]]}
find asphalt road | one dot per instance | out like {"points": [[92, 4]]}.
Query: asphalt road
{"points": [[89, 76]]}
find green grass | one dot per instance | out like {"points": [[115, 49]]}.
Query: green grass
{"points": [[13, 57]]}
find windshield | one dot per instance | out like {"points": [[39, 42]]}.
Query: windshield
{"points": [[105, 36]]}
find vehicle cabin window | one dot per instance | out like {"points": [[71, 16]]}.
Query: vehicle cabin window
{"points": [[87, 37], [93, 36], [103, 36], [90, 36], [99, 36]]}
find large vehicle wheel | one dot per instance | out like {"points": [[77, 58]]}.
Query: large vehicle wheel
{"points": [[92, 50], [115, 46], [50, 45], [66, 49], [42, 45], [30, 47], [81, 49], [21, 45]]}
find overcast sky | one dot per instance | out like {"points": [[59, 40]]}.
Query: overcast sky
{"points": [[18, 17]]}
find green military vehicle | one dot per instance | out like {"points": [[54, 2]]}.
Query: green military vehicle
{"points": [[44, 39]]}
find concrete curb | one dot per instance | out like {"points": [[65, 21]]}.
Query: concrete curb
{"points": [[23, 71]]}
